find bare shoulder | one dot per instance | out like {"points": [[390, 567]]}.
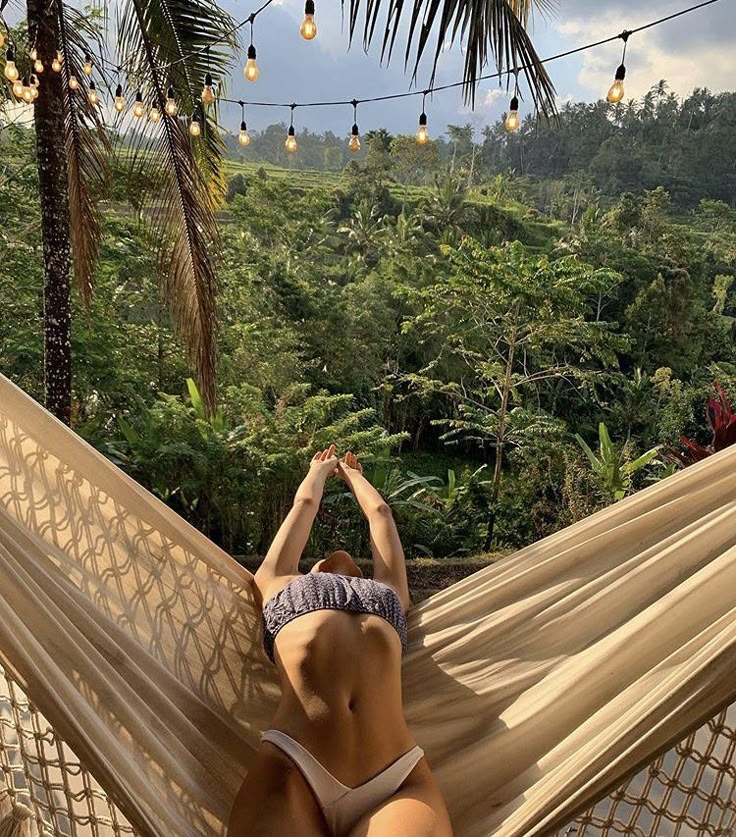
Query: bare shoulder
{"points": [[269, 584], [403, 598]]}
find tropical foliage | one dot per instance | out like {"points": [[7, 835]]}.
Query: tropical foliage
{"points": [[458, 332]]}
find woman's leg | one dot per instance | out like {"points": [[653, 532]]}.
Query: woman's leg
{"points": [[275, 799], [416, 809]]}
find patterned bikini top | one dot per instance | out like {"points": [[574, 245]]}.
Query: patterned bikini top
{"points": [[330, 591]]}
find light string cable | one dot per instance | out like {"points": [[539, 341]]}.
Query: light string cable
{"points": [[436, 88], [391, 96], [160, 67]]}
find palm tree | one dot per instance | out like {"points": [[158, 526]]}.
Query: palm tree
{"points": [[490, 28], [164, 43], [74, 152]]}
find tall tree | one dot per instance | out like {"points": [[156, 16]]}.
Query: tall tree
{"points": [[161, 45]]}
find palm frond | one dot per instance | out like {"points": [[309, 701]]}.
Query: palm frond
{"points": [[88, 150], [185, 185], [488, 28]]}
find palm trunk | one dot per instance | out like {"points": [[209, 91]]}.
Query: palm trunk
{"points": [[48, 116]]}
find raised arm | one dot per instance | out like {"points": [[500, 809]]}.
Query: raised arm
{"points": [[286, 549], [389, 565]]}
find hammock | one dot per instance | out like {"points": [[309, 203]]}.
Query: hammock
{"points": [[536, 686]]}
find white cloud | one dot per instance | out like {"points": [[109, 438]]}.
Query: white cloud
{"points": [[695, 61]]}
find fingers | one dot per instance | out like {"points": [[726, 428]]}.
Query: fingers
{"points": [[323, 455]]}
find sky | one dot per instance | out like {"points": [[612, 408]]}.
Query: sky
{"points": [[695, 50], [692, 51]]}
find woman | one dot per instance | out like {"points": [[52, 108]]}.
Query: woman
{"points": [[339, 759]]}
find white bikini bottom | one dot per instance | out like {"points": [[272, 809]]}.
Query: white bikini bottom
{"points": [[343, 806]]}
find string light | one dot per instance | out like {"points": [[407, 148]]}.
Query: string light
{"points": [[243, 135], [36, 61], [422, 132], [354, 141], [308, 28], [22, 90], [290, 144], [154, 115], [512, 119], [119, 99], [250, 71], [11, 71], [208, 94], [512, 122], [139, 109], [171, 107], [616, 90]]}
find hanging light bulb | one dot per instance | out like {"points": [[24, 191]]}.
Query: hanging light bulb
{"points": [[243, 135], [290, 143], [74, 82], [35, 82], [251, 71], [308, 27], [195, 129], [18, 89], [154, 115], [139, 109], [92, 96], [34, 87], [2, 40], [87, 66], [208, 94], [512, 120], [27, 95], [36, 61], [422, 132], [171, 107], [354, 141], [119, 103], [57, 62], [11, 71], [616, 90]]}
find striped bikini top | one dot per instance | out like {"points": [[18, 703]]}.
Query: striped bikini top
{"points": [[330, 591]]}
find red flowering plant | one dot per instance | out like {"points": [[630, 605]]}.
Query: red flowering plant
{"points": [[722, 421]]}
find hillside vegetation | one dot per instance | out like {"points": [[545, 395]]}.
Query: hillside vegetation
{"points": [[508, 347]]}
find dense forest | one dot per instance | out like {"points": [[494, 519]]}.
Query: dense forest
{"points": [[513, 332]]}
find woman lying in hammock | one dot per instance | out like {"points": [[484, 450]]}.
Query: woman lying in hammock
{"points": [[339, 758]]}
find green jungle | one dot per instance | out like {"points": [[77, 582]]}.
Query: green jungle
{"points": [[512, 331]]}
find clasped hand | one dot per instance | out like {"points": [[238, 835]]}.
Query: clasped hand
{"points": [[325, 463]]}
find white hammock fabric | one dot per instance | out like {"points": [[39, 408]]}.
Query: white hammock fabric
{"points": [[535, 686]]}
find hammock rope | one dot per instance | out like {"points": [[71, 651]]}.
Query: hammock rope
{"points": [[131, 653], [48, 783]]}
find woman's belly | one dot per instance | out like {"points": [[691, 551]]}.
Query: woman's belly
{"points": [[341, 690]]}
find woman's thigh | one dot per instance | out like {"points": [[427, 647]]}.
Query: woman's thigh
{"points": [[416, 809], [275, 799]]}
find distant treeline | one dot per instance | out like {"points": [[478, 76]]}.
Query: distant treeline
{"points": [[686, 146]]}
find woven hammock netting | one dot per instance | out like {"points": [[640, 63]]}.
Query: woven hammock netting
{"points": [[688, 790]]}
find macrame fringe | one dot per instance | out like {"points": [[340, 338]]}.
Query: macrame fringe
{"points": [[16, 820]]}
